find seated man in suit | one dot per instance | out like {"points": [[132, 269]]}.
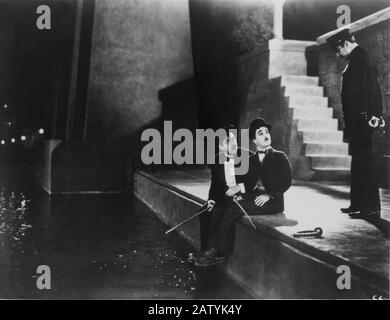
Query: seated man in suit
{"points": [[268, 166], [223, 176]]}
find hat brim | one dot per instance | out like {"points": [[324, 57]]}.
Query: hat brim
{"points": [[267, 125]]}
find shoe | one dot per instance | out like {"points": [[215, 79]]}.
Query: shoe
{"points": [[191, 257], [349, 210], [208, 262], [203, 258], [210, 253], [364, 214]]}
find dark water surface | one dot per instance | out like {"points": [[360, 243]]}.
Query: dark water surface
{"points": [[97, 247]]}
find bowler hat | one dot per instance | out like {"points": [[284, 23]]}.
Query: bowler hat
{"points": [[339, 38], [255, 125]]}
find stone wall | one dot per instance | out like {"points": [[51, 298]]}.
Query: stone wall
{"points": [[138, 48], [375, 38], [307, 19], [253, 85], [259, 83], [221, 31]]}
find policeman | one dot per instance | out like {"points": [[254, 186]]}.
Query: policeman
{"points": [[362, 110]]}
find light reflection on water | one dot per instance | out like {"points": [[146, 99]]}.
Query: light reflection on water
{"points": [[13, 220], [97, 247]]}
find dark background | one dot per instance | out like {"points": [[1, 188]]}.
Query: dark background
{"points": [[35, 65]]}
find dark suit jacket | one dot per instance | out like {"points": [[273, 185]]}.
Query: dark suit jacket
{"points": [[360, 91], [274, 173]]}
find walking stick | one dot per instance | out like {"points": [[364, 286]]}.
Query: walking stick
{"points": [[186, 220], [243, 210]]}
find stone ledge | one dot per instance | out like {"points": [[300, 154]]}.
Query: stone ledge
{"points": [[277, 44], [79, 167], [329, 250]]}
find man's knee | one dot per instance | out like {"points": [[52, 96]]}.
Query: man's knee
{"points": [[270, 207]]}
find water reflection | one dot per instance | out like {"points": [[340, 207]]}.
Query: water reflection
{"points": [[97, 247], [13, 220]]}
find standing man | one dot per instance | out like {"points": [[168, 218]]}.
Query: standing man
{"points": [[267, 166], [362, 109]]}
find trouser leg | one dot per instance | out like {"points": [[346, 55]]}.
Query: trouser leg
{"points": [[364, 174], [223, 237], [373, 198], [270, 207], [364, 183], [217, 215], [205, 221]]}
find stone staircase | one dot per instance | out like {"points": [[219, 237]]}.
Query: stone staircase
{"points": [[321, 153], [303, 123]]}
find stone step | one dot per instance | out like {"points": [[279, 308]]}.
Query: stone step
{"points": [[293, 90], [327, 174], [330, 162], [307, 101], [320, 113], [317, 124], [328, 149], [319, 257], [299, 80], [315, 136]]}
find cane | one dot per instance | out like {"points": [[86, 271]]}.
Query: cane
{"points": [[186, 220], [243, 210]]}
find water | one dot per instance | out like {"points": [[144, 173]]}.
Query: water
{"points": [[97, 247]]}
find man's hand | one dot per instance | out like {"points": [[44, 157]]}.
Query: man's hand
{"points": [[210, 205], [382, 122], [374, 122], [262, 199], [233, 190], [237, 198]]}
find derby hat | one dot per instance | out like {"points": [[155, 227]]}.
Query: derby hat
{"points": [[255, 125]]}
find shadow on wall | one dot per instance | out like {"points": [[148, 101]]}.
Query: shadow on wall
{"points": [[138, 48], [179, 107]]}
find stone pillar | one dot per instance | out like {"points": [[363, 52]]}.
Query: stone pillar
{"points": [[124, 53], [278, 19], [138, 48]]}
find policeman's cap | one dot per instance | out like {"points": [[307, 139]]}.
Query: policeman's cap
{"points": [[339, 38]]}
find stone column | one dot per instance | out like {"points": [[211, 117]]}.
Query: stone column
{"points": [[278, 19]]}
